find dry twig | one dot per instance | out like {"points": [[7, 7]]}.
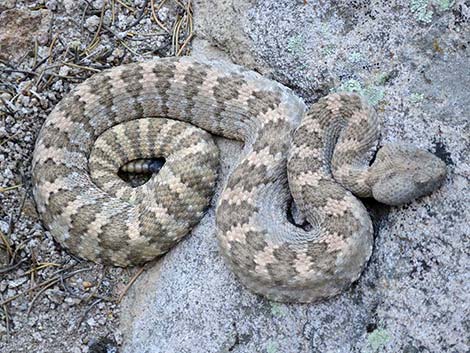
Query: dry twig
{"points": [[131, 282], [155, 16], [47, 282]]}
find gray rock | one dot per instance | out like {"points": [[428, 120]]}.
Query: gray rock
{"points": [[18, 30], [412, 63], [7, 4], [92, 23]]}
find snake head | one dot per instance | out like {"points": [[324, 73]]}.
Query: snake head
{"points": [[401, 174]]}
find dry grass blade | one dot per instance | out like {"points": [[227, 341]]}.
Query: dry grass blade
{"points": [[131, 9], [185, 43], [51, 47], [11, 223], [113, 14], [180, 4], [81, 67], [175, 36], [12, 267], [40, 266], [154, 14], [87, 311], [183, 25], [7, 321], [45, 283], [31, 304], [127, 47], [9, 138], [95, 40], [38, 64], [6, 242], [82, 25], [8, 188], [35, 59], [131, 282], [6, 105]]}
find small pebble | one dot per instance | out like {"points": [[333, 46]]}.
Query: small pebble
{"points": [[92, 23], [87, 284]]}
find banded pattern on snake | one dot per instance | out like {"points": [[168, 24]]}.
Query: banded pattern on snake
{"points": [[168, 108]]}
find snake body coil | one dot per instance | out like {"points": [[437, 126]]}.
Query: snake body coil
{"points": [[167, 108]]}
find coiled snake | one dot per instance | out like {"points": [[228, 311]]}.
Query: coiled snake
{"points": [[167, 108]]}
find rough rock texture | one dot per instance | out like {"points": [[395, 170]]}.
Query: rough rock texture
{"points": [[19, 30], [7, 4], [411, 60]]}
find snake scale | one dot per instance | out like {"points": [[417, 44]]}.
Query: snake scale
{"points": [[169, 108]]}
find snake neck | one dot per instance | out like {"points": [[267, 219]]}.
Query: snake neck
{"points": [[338, 136], [330, 155], [350, 153]]}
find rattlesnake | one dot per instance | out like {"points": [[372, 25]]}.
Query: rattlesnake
{"points": [[167, 108]]}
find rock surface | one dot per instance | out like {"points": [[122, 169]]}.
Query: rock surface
{"points": [[19, 29], [411, 61]]}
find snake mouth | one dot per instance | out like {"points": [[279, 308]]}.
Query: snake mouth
{"points": [[137, 172]]}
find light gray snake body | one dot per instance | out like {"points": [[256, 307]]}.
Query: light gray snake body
{"points": [[320, 157]]}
